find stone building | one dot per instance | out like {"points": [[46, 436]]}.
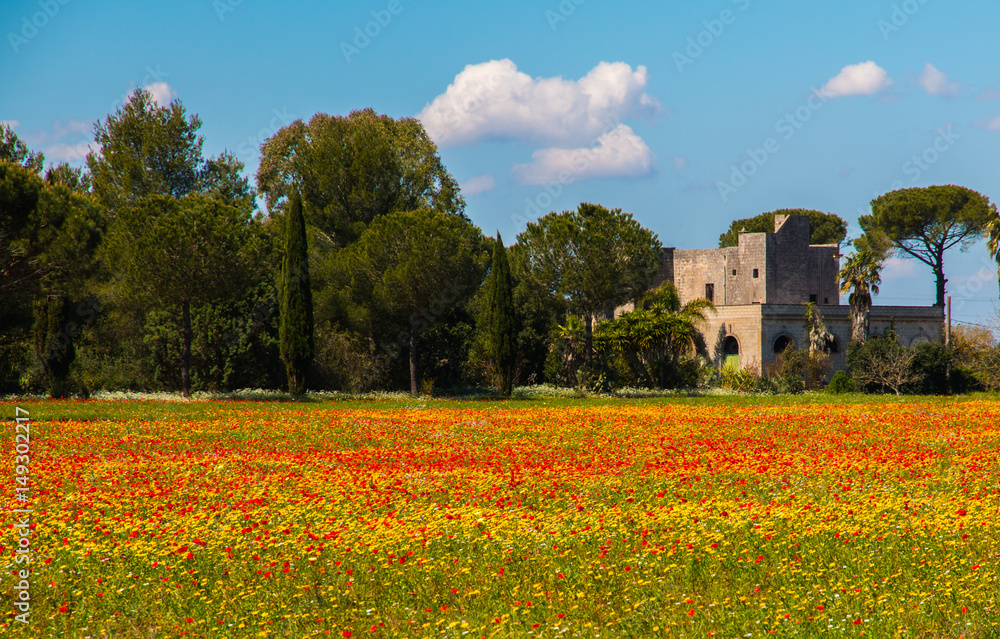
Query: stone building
{"points": [[759, 288]]}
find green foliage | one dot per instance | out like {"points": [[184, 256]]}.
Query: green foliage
{"points": [[593, 258], [653, 338], [738, 379], [501, 319], [965, 380], [976, 354], [840, 383], [13, 150], [407, 270], [566, 353], [930, 370], [20, 190], [170, 255], [860, 276], [925, 222], [824, 228], [993, 237], [880, 365], [146, 150], [538, 313], [76, 180], [346, 361], [53, 342], [820, 339], [794, 370], [296, 328], [354, 169]]}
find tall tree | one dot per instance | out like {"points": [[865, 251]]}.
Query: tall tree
{"points": [[354, 169], [20, 189], [145, 150], [993, 239], [411, 267], [296, 331], [925, 222], [595, 258], [502, 319], [13, 149], [172, 254], [64, 234], [861, 276], [824, 228]]}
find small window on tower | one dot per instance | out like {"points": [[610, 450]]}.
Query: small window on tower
{"points": [[734, 272], [812, 298], [756, 273], [710, 292]]}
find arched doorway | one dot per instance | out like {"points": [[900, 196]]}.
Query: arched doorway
{"points": [[783, 342], [731, 353]]}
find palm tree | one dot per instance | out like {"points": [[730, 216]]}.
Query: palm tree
{"points": [[861, 276], [993, 239], [655, 335]]}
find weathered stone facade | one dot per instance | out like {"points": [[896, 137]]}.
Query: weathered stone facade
{"points": [[759, 288]]}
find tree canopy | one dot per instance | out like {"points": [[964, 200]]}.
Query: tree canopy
{"points": [[13, 149], [925, 222], [412, 266], [171, 254], [824, 228], [594, 258], [354, 169]]}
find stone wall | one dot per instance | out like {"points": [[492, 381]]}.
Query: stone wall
{"points": [[758, 327]]}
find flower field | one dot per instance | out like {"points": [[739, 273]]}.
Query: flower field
{"points": [[627, 519]]}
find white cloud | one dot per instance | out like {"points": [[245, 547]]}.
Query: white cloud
{"points": [[162, 93], [990, 124], [72, 153], [679, 162], [493, 100], [865, 78], [479, 185], [936, 83], [618, 153], [899, 268]]}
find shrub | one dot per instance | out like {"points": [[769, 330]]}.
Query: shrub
{"points": [[840, 383], [738, 379], [880, 365], [930, 370]]}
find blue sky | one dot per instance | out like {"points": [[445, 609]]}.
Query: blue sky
{"points": [[688, 115]]}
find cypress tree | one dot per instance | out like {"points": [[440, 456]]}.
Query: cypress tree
{"points": [[296, 330], [503, 333]]}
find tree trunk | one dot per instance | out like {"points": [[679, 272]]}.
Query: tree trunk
{"points": [[589, 343], [414, 319], [941, 281], [186, 348]]}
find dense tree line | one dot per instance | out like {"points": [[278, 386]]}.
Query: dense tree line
{"points": [[351, 265]]}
